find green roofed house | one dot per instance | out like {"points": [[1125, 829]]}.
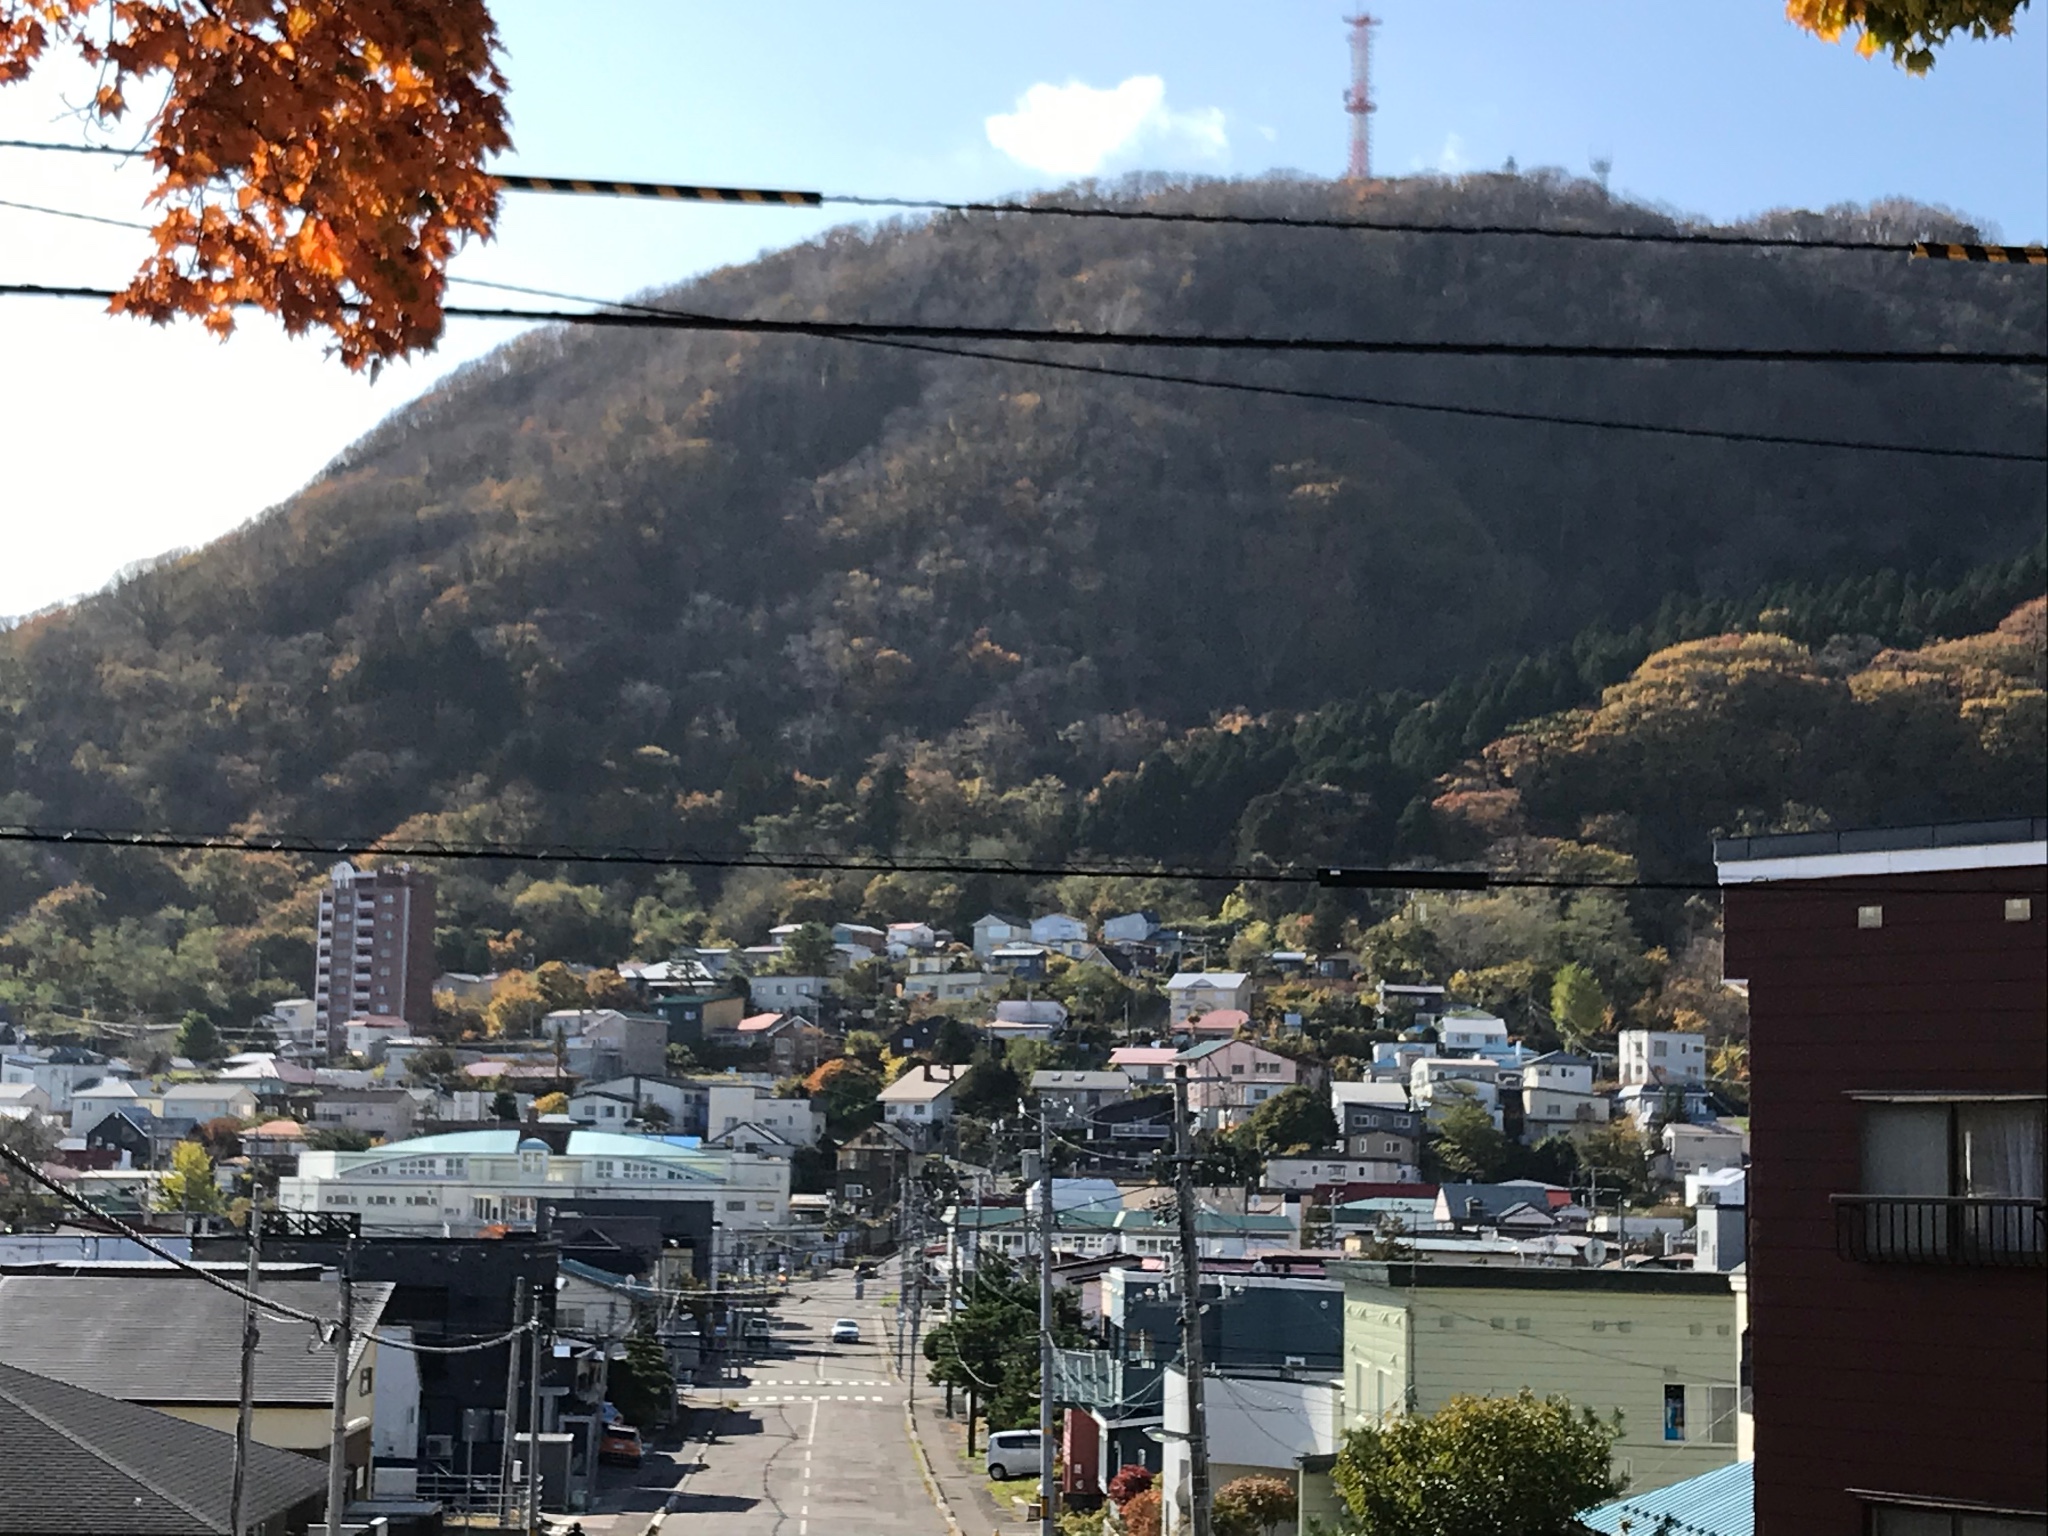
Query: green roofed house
{"points": [[74, 1463], [1659, 1345]]}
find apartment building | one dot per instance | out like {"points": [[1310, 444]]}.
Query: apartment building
{"points": [[373, 950]]}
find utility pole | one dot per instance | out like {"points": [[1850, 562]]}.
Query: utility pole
{"points": [[1190, 1305], [246, 1411], [511, 1404], [533, 1414], [337, 1450], [915, 1291], [1047, 1525]]}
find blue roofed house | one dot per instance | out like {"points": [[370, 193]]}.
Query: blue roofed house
{"points": [[1717, 1503]]}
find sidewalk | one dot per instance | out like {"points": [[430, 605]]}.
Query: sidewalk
{"points": [[964, 1486]]}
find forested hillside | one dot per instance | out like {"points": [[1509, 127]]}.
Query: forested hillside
{"points": [[690, 589]]}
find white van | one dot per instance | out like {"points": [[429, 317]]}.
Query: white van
{"points": [[1015, 1453]]}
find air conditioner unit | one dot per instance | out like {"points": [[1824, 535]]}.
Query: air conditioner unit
{"points": [[440, 1447], [1294, 1360]]}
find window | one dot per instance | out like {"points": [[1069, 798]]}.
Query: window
{"points": [[1870, 917], [1674, 1411], [1948, 1180], [735, 1205], [1721, 1406], [2019, 909]]}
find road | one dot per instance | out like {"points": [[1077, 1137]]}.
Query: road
{"points": [[816, 1443]]}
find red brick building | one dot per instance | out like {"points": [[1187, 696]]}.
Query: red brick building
{"points": [[1898, 1300], [374, 949]]}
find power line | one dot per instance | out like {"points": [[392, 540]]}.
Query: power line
{"points": [[1334, 397], [860, 330], [780, 197], [1328, 877]]}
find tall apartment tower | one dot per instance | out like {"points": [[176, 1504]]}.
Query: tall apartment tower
{"points": [[375, 949]]}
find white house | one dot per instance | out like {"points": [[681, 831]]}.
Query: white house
{"points": [[910, 938], [1473, 1029], [25, 1101], [1257, 1426], [1550, 1112], [1145, 1063], [730, 1105], [1303, 1173], [1057, 928], [942, 986], [95, 1101], [209, 1101], [788, 994], [1019, 1018], [59, 1072], [1433, 1077], [1698, 1149], [1662, 1057], [920, 1102], [469, 1180], [1191, 992]]}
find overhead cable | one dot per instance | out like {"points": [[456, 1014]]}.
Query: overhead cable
{"points": [[782, 197], [1172, 341]]}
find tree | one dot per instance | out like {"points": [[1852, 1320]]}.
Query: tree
{"points": [[847, 1091], [222, 1137], [319, 159], [190, 1184], [1577, 1005], [198, 1039], [1297, 1119], [1465, 1142], [808, 952], [338, 1138], [954, 1042], [1142, 1516], [1620, 1155], [23, 1202], [561, 987], [504, 1105], [1478, 1466], [551, 1104], [517, 1005], [641, 1383], [991, 1345], [1909, 30], [1131, 1479], [1253, 1506]]}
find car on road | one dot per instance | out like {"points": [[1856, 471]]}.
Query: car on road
{"points": [[620, 1446], [863, 1271], [1015, 1453], [846, 1331]]}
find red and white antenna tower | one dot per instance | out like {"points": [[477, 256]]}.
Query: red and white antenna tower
{"points": [[1358, 99]]}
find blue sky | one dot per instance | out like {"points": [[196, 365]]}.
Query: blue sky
{"points": [[1721, 110]]}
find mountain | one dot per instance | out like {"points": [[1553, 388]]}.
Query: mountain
{"points": [[665, 588]]}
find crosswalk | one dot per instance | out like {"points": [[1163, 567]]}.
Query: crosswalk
{"points": [[775, 1399]]}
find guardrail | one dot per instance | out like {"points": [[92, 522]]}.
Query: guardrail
{"points": [[1958, 1231]]}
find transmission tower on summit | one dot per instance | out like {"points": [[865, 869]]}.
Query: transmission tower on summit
{"points": [[1358, 99]]}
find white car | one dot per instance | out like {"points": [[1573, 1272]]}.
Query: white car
{"points": [[1015, 1453], [846, 1331]]}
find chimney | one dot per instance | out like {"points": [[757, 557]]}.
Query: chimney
{"points": [[927, 1071]]}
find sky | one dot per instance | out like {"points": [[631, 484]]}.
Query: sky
{"points": [[121, 441]]}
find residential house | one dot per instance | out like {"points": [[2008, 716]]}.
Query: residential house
{"points": [[1720, 1202], [370, 1038], [386, 1113], [469, 1181], [872, 1167], [608, 1042], [201, 1102], [871, 941], [82, 1461], [59, 1071], [994, 929], [941, 985], [1376, 1123], [1558, 1097], [1145, 1063], [1472, 1032], [1335, 967], [93, 1102], [1019, 1018], [1194, 992], [1256, 1425], [1717, 1503], [921, 1101], [1019, 962], [788, 994], [26, 1101], [797, 1121], [159, 1338], [910, 938], [1515, 1207], [1310, 1170], [1651, 1104], [695, 1009], [275, 1143], [1056, 929], [1217, 1024], [679, 1104], [1656, 1344], [126, 1134], [1662, 1057], [1702, 1148], [1076, 1095], [1405, 1003], [1228, 1079], [1896, 1283], [791, 1041], [1131, 928], [1435, 1081], [602, 1109], [1118, 1137]]}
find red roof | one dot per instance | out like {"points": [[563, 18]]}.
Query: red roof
{"points": [[1221, 1021], [759, 1023]]}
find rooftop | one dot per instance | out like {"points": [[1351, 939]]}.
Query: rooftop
{"points": [[921, 1084], [1884, 850], [79, 1464], [1484, 1277]]}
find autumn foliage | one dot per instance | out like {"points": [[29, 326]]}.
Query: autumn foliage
{"points": [[318, 159], [1909, 30]]}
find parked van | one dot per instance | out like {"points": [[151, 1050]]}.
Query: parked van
{"points": [[1015, 1453]]}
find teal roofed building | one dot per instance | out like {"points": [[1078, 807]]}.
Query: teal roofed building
{"points": [[463, 1182], [1717, 1503]]}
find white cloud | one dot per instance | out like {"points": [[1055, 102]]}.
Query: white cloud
{"points": [[1074, 129], [1451, 158]]}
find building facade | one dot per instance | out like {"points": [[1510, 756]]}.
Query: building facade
{"points": [[373, 950], [1898, 1303]]}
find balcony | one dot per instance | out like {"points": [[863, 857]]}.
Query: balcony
{"points": [[1959, 1231]]}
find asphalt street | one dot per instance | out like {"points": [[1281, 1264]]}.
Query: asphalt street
{"points": [[813, 1444]]}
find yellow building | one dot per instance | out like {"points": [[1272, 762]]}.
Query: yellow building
{"points": [[1659, 1345]]}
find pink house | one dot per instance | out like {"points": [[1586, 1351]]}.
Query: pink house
{"points": [[1217, 1024], [1228, 1079], [1145, 1063]]}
